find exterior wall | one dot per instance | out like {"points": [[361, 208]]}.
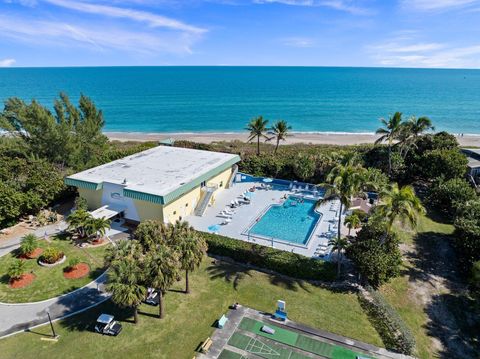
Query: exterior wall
{"points": [[182, 206], [221, 181], [148, 210], [94, 198], [112, 194]]}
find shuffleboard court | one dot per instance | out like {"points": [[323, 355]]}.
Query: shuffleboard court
{"points": [[227, 354], [300, 341]]}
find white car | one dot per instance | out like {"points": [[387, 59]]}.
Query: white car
{"points": [[107, 325]]}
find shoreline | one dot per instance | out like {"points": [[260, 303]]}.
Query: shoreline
{"points": [[327, 138]]}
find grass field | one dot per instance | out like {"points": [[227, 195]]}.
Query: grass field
{"points": [[50, 282], [189, 318], [399, 293]]}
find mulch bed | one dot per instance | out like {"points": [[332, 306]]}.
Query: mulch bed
{"points": [[97, 242], [79, 271], [35, 254], [23, 281]]}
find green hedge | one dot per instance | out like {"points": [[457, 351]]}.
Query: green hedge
{"points": [[287, 263], [395, 334]]}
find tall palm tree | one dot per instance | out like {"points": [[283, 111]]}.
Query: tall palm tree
{"points": [[338, 244], [280, 130], [125, 284], [391, 130], [161, 271], [343, 183], [399, 204], [352, 221], [124, 248], [97, 227], [191, 250], [257, 127], [420, 125], [179, 230]]}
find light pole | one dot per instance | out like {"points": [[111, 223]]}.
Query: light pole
{"points": [[54, 335]]}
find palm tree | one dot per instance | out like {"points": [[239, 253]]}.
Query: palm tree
{"points": [[152, 233], [191, 249], [124, 282], [411, 130], [161, 271], [179, 230], [124, 248], [28, 244], [280, 130], [352, 221], [16, 269], [399, 204], [338, 244], [99, 226], [389, 133], [343, 183], [78, 220], [257, 127]]}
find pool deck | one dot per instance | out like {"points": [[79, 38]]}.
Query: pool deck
{"points": [[246, 214], [221, 337]]}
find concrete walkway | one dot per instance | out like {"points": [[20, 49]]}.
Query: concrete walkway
{"points": [[19, 317]]}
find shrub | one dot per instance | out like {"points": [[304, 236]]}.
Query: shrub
{"points": [[72, 263], [16, 269], [442, 163], [51, 255], [28, 244], [467, 233], [447, 196], [287, 263], [375, 254], [396, 335]]}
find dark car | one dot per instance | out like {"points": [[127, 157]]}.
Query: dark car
{"points": [[152, 298], [107, 325]]}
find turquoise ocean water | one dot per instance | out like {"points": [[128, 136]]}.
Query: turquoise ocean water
{"points": [[223, 99]]}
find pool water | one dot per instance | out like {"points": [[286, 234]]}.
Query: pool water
{"points": [[293, 221]]}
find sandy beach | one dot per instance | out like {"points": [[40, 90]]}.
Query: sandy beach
{"points": [[314, 138]]}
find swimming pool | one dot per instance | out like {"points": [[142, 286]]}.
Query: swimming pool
{"points": [[293, 221]]}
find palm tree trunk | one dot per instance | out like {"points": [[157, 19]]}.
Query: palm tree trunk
{"points": [[340, 220], [258, 145], [276, 147], [187, 287], [135, 314], [161, 310], [389, 159], [339, 263]]}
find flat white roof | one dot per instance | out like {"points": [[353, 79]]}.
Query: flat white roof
{"points": [[159, 170]]}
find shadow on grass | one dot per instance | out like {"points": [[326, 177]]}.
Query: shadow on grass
{"points": [[231, 273]]}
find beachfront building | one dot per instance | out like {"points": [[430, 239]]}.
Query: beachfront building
{"points": [[162, 183], [473, 156]]}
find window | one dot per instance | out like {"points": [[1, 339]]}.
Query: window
{"points": [[203, 184], [174, 212], [186, 204], [221, 184]]}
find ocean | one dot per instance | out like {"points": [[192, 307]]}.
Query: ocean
{"points": [[224, 99]]}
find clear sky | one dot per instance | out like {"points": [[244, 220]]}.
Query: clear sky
{"points": [[406, 33]]}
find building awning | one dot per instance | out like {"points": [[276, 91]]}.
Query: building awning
{"points": [[107, 211]]}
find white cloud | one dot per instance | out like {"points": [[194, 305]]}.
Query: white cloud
{"points": [[340, 5], [435, 5], [152, 19], [302, 42], [7, 62], [429, 55], [96, 38]]}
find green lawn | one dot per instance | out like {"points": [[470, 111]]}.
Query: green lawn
{"points": [[399, 295], [190, 317], [50, 282]]}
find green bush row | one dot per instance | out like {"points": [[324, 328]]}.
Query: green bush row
{"points": [[395, 334], [287, 263]]}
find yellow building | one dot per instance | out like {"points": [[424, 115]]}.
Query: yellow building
{"points": [[163, 183]]}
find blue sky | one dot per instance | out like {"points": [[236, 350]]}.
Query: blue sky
{"points": [[405, 33]]}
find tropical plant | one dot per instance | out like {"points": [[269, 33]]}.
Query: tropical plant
{"points": [[51, 255], [72, 263], [97, 227], [343, 183], [352, 222], [447, 196], [28, 244], [304, 167], [280, 130], [467, 233], [78, 221], [191, 250], [16, 269], [389, 133], [80, 203], [257, 128], [161, 271], [179, 229], [124, 282], [151, 233], [125, 248], [338, 244], [399, 204]]}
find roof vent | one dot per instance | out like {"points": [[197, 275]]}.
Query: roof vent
{"points": [[124, 181]]}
